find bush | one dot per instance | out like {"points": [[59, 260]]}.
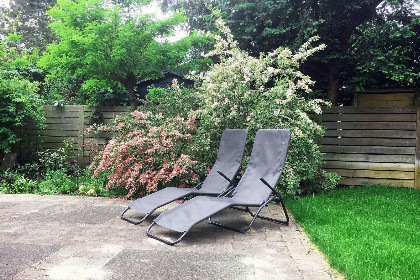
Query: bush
{"points": [[265, 92], [171, 102], [20, 103], [146, 152], [18, 95]]}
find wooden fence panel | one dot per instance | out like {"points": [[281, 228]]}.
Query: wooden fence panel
{"points": [[371, 145], [69, 123]]}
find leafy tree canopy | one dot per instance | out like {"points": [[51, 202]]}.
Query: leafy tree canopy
{"points": [[29, 19], [386, 50], [346, 27], [105, 47]]}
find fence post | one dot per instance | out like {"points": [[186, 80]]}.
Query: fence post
{"points": [[81, 145], [417, 160]]}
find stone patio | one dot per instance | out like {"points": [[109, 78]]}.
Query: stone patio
{"points": [[68, 237]]}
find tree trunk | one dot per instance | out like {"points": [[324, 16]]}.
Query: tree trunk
{"points": [[333, 82], [132, 98], [129, 83]]}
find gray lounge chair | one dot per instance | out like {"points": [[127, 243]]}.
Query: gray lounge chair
{"points": [[255, 189], [229, 159]]}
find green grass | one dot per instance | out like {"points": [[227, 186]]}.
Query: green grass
{"points": [[370, 232]]}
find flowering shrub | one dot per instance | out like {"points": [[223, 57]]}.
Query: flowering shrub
{"points": [[146, 152], [265, 92]]}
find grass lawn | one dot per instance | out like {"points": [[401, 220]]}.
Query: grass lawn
{"points": [[370, 232]]}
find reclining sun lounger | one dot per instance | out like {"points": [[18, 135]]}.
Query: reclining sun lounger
{"points": [[255, 189], [229, 159]]}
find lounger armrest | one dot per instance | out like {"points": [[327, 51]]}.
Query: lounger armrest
{"points": [[268, 185], [196, 172], [224, 176]]}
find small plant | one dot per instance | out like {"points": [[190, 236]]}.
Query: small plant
{"points": [[62, 158], [57, 182]]}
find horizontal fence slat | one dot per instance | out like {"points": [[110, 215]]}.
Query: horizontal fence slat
{"points": [[369, 110], [368, 150], [100, 135], [373, 174], [372, 133], [370, 158], [58, 139], [371, 125], [72, 133], [64, 126], [369, 117], [64, 114], [107, 109], [369, 166], [369, 142], [386, 182], [109, 115], [58, 110], [53, 145]]}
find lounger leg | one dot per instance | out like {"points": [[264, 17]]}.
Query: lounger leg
{"points": [[279, 201], [162, 239], [256, 215], [133, 221], [236, 229]]}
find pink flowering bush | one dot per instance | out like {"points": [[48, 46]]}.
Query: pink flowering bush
{"points": [[146, 152]]}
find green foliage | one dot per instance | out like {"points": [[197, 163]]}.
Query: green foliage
{"points": [[18, 95], [29, 19], [171, 102], [60, 159], [385, 51], [107, 49], [57, 182], [16, 183], [53, 182], [366, 232], [359, 34], [19, 104], [265, 92]]}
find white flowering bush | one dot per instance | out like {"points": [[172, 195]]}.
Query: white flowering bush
{"points": [[265, 92]]}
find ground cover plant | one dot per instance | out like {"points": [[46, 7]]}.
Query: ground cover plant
{"points": [[369, 232], [53, 172]]}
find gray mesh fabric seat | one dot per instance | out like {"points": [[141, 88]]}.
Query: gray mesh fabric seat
{"points": [[256, 188], [229, 159]]}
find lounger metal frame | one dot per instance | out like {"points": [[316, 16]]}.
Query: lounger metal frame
{"points": [[136, 222], [274, 197]]}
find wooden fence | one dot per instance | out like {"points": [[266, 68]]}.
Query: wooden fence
{"points": [[372, 145], [69, 123]]}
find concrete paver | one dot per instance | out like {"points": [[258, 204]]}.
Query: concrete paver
{"points": [[67, 237]]}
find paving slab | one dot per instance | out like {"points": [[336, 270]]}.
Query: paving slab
{"points": [[75, 237], [15, 257]]}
